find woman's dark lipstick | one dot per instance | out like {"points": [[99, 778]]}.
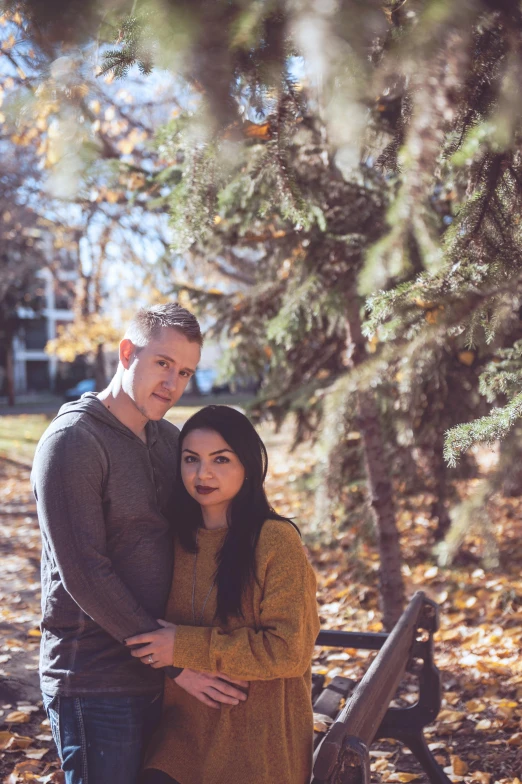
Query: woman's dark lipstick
{"points": [[202, 490]]}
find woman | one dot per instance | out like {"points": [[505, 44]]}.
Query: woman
{"points": [[242, 603]]}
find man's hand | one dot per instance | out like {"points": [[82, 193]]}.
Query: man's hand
{"points": [[155, 648], [212, 690]]}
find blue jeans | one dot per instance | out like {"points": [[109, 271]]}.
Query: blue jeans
{"points": [[101, 739]]}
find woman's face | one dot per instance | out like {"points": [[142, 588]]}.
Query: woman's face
{"points": [[211, 471]]}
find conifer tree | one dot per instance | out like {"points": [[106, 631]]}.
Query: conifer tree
{"points": [[459, 196], [297, 322], [291, 179]]}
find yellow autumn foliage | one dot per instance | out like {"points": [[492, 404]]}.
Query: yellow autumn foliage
{"points": [[83, 337]]}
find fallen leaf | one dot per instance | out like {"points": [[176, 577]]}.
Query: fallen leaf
{"points": [[451, 697], [19, 742], [36, 754], [460, 768], [505, 708], [379, 766], [451, 716], [322, 723], [56, 777], [475, 706], [452, 777], [478, 777], [5, 738], [24, 771], [17, 717]]}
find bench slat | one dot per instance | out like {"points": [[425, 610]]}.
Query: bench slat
{"points": [[343, 755], [330, 698], [383, 676]]}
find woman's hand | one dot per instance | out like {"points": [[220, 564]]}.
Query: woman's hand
{"points": [[157, 647], [212, 689]]}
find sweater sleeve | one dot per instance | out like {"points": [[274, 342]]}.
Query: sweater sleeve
{"points": [[67, 479], [282, 647]]}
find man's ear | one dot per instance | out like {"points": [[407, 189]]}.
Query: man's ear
{"points": [[127, 352]]}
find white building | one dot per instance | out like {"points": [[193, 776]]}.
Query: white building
{"points": [[34, 370]]}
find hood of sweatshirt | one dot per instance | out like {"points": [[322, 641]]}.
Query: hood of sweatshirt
{"points": [[90, 404]]}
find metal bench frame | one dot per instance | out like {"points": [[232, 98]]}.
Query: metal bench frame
{"points": [[343, 757]]}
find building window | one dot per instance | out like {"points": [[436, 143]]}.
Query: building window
{"points": [[37, 375], [35, 334], [64, 294]]}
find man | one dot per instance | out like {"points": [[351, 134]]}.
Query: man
{"points": [[103, 477]]}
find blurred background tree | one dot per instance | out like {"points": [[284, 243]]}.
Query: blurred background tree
{"points": [[343, 185], [88, 140], [21, 254]]}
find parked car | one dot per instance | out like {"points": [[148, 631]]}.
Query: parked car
{"points": [[221, 389], [74, 393], [204, 379]]}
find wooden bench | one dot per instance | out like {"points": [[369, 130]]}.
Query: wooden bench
{"points": [[342, 755]]}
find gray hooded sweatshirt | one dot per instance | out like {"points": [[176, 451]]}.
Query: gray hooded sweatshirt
{"points": [[105, 504]]}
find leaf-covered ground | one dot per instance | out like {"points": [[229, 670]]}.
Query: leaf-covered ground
{"points": [[478, 733]]}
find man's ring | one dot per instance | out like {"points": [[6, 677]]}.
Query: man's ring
{"points": [[150, 660]]}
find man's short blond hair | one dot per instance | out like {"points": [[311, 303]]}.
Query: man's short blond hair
{"points": [[148, 321]]}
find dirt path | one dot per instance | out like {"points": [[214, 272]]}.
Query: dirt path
{"points": [[23, 739]]}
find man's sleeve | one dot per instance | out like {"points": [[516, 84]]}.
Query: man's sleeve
{"points": [[68, 485]]}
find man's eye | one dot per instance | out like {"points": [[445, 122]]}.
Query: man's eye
{"points": [[162, 363], [183, 373]]}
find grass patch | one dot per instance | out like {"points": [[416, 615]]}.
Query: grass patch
{"points": [[19, 435]]}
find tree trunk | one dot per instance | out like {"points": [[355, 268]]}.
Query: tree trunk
{"points": [[510, 464], [99, 369], [380, 489], [337, 504], [439, 511], [9, 367], [380, 492], [430, 462]]}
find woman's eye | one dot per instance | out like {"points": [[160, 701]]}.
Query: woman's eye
{"points": [[190, 459], [222, 459]]}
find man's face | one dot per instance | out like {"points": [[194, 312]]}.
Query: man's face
{"points": [[155, 377]]}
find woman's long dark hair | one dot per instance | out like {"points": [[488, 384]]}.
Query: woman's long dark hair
{"points": [[247, 512]]}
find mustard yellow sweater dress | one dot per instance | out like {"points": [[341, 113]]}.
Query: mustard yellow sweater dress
{"points": [[268, 738]]}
